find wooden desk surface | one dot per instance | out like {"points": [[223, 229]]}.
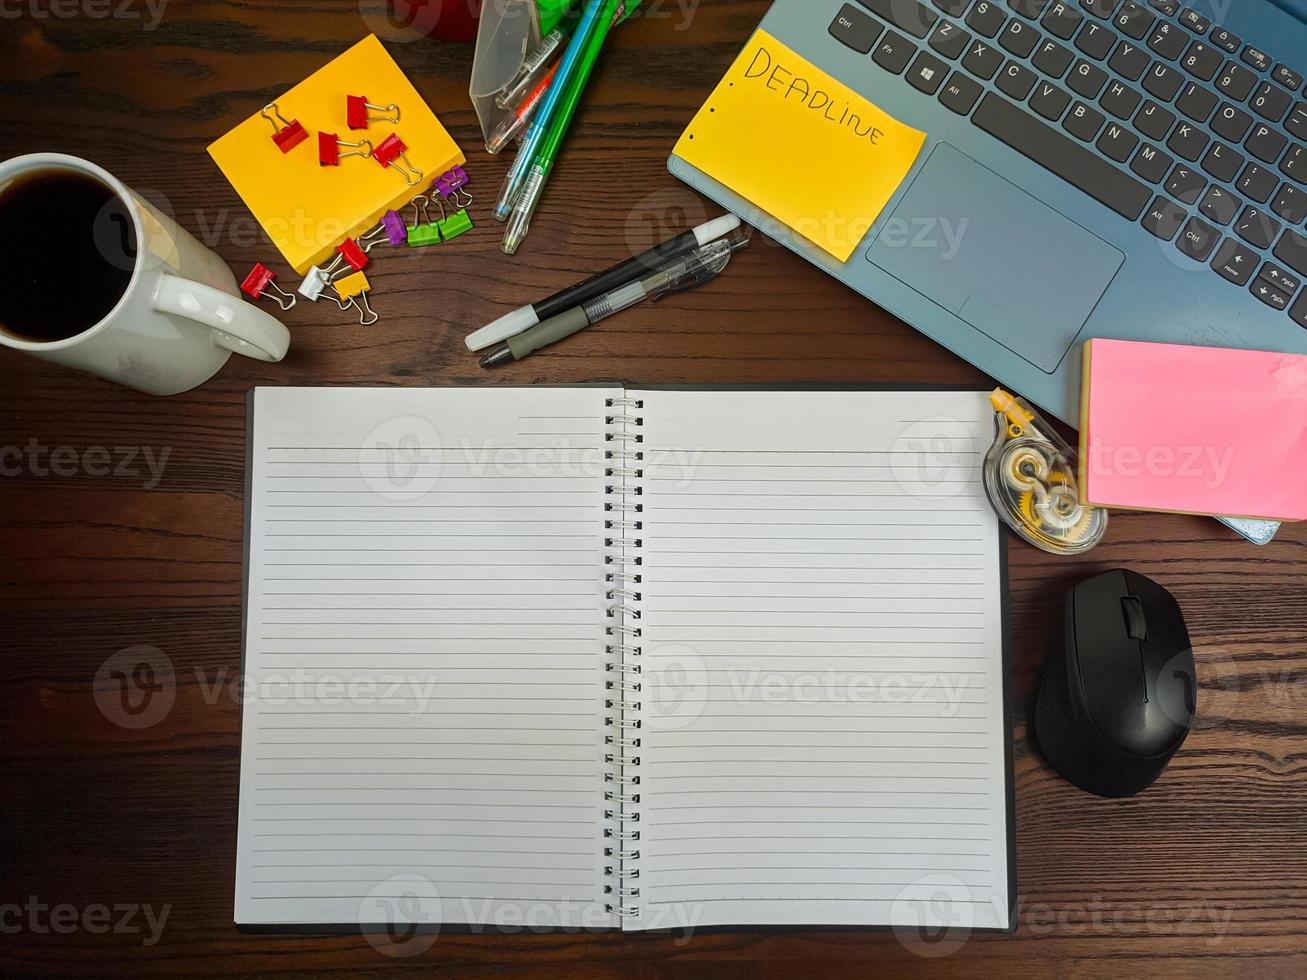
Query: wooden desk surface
{"points": [[1204, 874]]}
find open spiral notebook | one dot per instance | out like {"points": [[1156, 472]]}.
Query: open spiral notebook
{"points": [[602, 658]]}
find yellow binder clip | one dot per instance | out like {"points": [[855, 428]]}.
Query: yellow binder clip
{"points": [[353, 292]]}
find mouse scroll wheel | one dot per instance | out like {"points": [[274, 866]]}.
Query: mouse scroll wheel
{"points": [[1136, 626]]}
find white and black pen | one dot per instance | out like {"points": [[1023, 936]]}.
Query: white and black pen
{"points": [[678, 276]]}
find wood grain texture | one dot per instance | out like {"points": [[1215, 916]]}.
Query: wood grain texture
{"points": [[1204, 874]]}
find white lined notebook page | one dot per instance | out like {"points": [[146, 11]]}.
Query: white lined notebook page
{"points": [[823, 735], [423, 735]]}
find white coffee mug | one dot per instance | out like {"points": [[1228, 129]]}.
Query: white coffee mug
{"points": [[181, 316]]}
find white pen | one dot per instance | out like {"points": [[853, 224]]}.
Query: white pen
{"points": [[528, 316]]}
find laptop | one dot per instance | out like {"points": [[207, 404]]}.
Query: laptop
{"points": [[1132, 169]]}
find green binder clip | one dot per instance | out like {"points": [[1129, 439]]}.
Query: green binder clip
{"points": [[455, 225], [424, 231]]}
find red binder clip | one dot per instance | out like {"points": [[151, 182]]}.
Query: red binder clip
{"points": [[287, 134], [259, 281], [359, 112], [329, 149], [391, 150], [349, 253]]}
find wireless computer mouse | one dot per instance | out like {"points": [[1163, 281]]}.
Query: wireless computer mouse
{"points": [[1119, 691]]}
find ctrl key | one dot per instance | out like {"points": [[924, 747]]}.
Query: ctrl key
{"points": [[855, 29]]}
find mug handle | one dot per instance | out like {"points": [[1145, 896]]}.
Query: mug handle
{"points": [[237, 326]]}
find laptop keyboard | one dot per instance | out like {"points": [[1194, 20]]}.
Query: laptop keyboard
{"points": [[1147, 106]]}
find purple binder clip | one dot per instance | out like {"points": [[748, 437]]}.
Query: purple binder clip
{"points": [[396, 230], [451, 184]]}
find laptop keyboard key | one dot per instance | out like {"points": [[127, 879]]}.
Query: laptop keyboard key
{"points": [[927, 73], [1120, 100], [1188, 141], [1134, 21], [894, 52], [1086, 79], [1030, 9], [856, 29], [1018, 38], [1151, 163], [1016, 80], [949, 39], [906, 15], [1201, 60], [1154, 121], [1258, 229], [1222, 162], [1062, 20], [1063, 156], [1266, 144], [1280, 279], [1292, 251], [1163, 81], [1226, 41], [1291, 204], [1256, 57], [1164, 218], [1269, 295], [1236, 262], [1198, 239], [1257, 183], [1049, 101], [1084, 122], [1053, 59], [982, 59], [1186, 184], [1236, 81], [1298, 312], [986, 18], [1219, 205], [1100, 8], [954, 8], [1096, 41], [1287, 77], [1118, 142], [1195, 21], [1231, 123], [1294, 163], [1297, 121], [1129, 61], [1168, 40], [1271, 102], [1168, 7], [1196, 102], [960, 93]]}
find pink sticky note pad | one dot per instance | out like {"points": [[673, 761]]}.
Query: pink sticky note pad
{"points": [[1196, 430]]}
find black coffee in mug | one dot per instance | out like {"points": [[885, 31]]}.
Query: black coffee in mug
{"points": [[67, 253]]}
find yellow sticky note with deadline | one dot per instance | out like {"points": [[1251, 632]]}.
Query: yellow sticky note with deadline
{"points": [[800, 145], [308, 209]]}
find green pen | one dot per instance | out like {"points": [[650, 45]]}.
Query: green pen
{"points": [[519, 223]]}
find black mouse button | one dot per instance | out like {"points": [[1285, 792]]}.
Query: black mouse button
{"points": [[1168, 665], [1108, 662]]}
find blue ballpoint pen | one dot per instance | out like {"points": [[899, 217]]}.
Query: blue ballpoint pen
{"points": [[540, 125]]}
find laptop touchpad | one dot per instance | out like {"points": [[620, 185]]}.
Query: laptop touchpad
{"points": [[994, 256]]}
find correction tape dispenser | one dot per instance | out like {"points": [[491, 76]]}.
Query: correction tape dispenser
{"points": [[1030, 477]]}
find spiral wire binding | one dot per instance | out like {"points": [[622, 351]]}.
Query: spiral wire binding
{"points": [[623, 468]]}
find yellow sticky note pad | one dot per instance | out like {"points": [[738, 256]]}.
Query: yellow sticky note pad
{"points": [[308, 209], [800, 145]]}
